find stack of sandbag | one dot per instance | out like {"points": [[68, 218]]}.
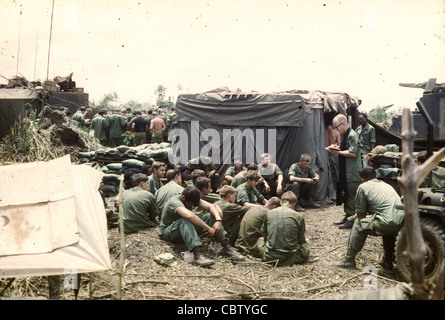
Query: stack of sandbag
{"points": [[147, 153], [111, 184], [114, 162]]}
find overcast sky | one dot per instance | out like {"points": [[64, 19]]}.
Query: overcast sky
{"points": [[363, 48]]}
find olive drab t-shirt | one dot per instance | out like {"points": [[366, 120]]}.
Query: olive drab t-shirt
{"points": [[379, 199], [169, 214], [139, 210]]}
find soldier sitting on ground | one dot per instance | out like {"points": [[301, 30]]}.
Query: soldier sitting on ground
{"points": [[180, 224], [284, 234]]}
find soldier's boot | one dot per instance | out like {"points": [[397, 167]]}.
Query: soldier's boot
{"points": [[388, 258], [229, 252], [312, 203], [348, 261], [200, 260]]}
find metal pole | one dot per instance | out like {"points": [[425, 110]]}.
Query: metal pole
{"points": [[50, 35]]}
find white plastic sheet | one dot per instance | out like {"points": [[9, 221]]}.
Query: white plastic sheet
{"points": [[89, 253]]}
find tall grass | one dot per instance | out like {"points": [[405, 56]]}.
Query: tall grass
{"points": [[25, 143]]}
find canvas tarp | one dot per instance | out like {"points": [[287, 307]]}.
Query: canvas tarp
{"points": [[12, 106], [285, 125], [67, 232], [283, 109]]}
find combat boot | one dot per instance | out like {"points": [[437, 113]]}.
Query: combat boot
{"points": [[229, 252], [313, 204], [200, 260], [348, 261], [386, 264]]}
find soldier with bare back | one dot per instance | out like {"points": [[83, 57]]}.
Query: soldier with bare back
{"points": [[157, 128], [332, 138]]}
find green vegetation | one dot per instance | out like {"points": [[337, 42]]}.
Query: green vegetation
{"points": [[110, 101], [383, 117]]}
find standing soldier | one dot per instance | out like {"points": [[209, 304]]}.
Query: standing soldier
{"points": [[140, 128], [366, 134], [116, 127], [78, 115], [349, 164], [157, 128], [98, 124], [149, 118]]}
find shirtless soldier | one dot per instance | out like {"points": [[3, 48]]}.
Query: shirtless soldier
{"points": [[157, 127]]}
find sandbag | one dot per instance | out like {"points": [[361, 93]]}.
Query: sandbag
{"points": [[114, 166], [132, 163]]}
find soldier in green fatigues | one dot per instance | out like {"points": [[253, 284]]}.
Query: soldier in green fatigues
{"points": [[366, 134], [250, 227], [98, 124], [180, 224], [232, 212], [273, 177], [149, 118], [240, 178], [378, 199], [349, 164], [78, 115], [186, 176], [303, 182], [203, 184], [138, 204], [154, 181], [284, 234], [232, 171], [171, 188], [205, 164], [247, 193], [116, 127]]}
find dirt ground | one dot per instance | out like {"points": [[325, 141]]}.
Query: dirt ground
{"points": [[145, 279]]}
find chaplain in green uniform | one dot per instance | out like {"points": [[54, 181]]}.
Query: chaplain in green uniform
{"points": [[349, 164], [379, 200], [284, 234], [138, 204]]}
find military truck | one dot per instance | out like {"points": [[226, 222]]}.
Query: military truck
{"points": [[432, 219], [429, 123]]}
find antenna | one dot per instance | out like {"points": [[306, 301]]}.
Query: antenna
{"points": [[18, 47], [37, 42], [50, 36]]}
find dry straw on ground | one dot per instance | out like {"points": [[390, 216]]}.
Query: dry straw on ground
{"points": [[145, 279]]}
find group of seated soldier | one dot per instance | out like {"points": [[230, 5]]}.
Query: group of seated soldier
{"points": [[187, 201]]}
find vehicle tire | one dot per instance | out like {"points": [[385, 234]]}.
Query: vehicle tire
{"points": [[433, 232]]}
